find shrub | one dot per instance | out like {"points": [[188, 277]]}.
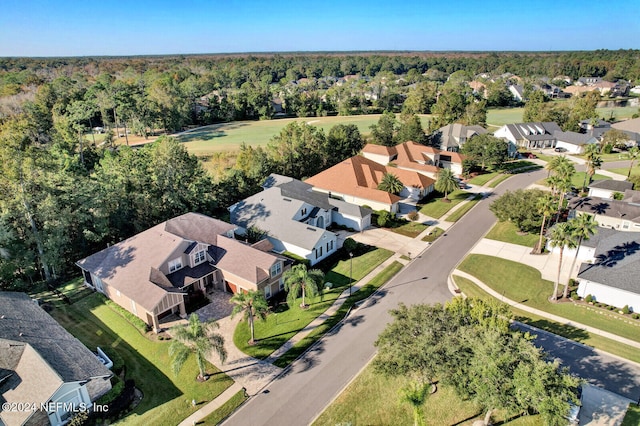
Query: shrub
{"points": [[114, 356], [607, 148], [611, 308], [79, 419], [574, 296], [625, 309], [117, 386], [635, 316], [132, 319], [589, 298], [350, 245], [413, 215], [384, 217], [618, 195]]}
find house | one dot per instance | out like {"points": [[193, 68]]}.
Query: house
{"points": [[43, 367], [588, 81], [155, 273], [573, 142], [416, 157], [517, 91], [453, 136], [595, 128], [611, 276], [631, 128], [296, 218], [623, 215], [356, 181], [607, 187], [478, 88], [529, 135]]}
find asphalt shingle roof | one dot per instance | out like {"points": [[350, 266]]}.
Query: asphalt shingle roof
{"points": [[612, 185]]}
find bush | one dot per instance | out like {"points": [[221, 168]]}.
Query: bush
{"points": [[413, 215], [132, 319], [384, 217], [117, 386], [625, 309], [114, 356], [589, 298], [350, 245], [574, 296], [635, 316], [607, 148], [611, 308], [618, 195]]}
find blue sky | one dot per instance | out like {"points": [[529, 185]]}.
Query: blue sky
{"points": [[119, 27]]}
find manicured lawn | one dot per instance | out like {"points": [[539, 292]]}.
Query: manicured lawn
{"points": [[578, 179], [594, 340], [167, 398], [632, 418], [544, 157], [635, 170], [456, 215], [225, 410], [524, 284], [385, 275], [411, 229], [435, 207], [286, 321], [497, 181], [435, 233], [482, 179], [373, 399], [618, 112], [499, 116], [508, 233]]}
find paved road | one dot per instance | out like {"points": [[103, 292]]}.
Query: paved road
{"points": [[313, 381], [598, 369]]}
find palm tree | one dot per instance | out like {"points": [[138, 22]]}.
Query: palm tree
{"points": [[198, 338], [252, 304], [446, 183], [632, 154], [546, 206], [593, 161], [553, 164], [298, 280], [391, 184], [561, 236], [584, 227], [414, 394]]}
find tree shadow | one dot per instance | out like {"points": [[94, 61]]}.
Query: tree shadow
{"points": [[564, 330]]}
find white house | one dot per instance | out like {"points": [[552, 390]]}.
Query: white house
{"points": [[573, 142], [529, 135], [605, 188]]}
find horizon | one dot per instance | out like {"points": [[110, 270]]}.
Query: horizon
{"points": [[45, 29]]}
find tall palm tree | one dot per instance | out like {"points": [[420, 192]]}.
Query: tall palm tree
{"points": [[546, 206], [553, 164], [446, 183], [198, 338], [299, 279], [632, 154], [593, 161], [562, 237], [391, 183], [252, 304], [584, 227]]}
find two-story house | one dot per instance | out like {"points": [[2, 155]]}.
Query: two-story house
{"points": [[153, 273]]}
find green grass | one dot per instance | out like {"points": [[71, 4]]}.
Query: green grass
{"points": [[618, 112], [507, 232], [167, 398], [225, 410], [497, 181], [411, 229], [373, 399], [286, 321], [635, 170], [496, 117], [378, 281], [482, 179], [436, 208], [74, 289], [628, 352], [524, 284], [632, 418], [456, 215], [578, 179], [435, 233], [544, 157]]}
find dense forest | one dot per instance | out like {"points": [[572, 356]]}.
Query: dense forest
{"points": [[63, 196]]}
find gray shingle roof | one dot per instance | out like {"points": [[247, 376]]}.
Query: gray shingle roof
{"points": [[24, 321], [574, 138], [606, 207], [533, 131], [617, 262], [612, 185]]}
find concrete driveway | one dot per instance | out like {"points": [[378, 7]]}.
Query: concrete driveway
{"points": [[390, 240], [601, 407]]}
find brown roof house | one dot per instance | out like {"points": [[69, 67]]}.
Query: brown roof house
{"points": [[153, 273], [356, 181], [46, 374]]}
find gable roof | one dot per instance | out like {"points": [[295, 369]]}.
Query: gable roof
{"points": [[574, 138], [612, 185], [243, 260], [606, 207], [617, 262], [449, 136], [632, 125], [22, 320], [379, 149], [533, 130], [360, 177]]}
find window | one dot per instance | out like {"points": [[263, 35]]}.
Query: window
{"points": [[276, 268], [199, 257], [175, 264], [281, 284], [267, 292]]}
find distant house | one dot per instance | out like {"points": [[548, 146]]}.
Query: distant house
{"points": [[356, 181], [595, 128], [478, 88], [588, 81], [296, 218], [573, 142], [529, 135], [517, 91], [611, 276], [631, 128], [43, 366], [155, 272], [453, 136], [605, 188], [623, 215]]}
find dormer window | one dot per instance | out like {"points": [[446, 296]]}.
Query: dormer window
{"points": [[276, 269], [175, 264], [199, 257]]}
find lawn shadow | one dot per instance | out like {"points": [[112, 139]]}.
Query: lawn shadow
{"points": [[205, 136], [565, 330]]}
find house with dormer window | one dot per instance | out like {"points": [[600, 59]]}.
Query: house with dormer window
{"points": [[154, 273], [530, 135]]}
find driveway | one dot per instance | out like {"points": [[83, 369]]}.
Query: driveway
{"points": [[389, 240], [601, 407]]}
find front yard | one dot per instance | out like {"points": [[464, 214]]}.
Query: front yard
{"points": [[436, 208], [167, 398], [507, 232]]}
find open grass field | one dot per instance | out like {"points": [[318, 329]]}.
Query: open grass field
{"points": [[167, 398], [594, 340], [286, 321], [524, 284], [497, 117], [374, 399]]}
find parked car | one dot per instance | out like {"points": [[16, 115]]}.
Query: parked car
{"points": [[560, 149], [529, 155]]}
